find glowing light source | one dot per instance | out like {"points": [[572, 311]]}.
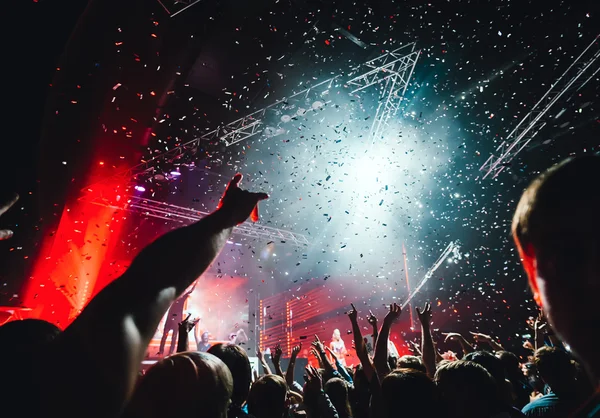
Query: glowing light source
{"points": [[140, 188]]}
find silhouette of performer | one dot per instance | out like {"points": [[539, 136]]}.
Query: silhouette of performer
{"points": [[174, 317]]}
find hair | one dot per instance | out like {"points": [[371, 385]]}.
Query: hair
{"points": [[337, 390], [556, 368], [409, 392], [24, 345], [361, 394], [267, 398], [185, 384], [26, 336], [512, 369], [557, 215], [238, 363], [411, 362], [466, 388]]}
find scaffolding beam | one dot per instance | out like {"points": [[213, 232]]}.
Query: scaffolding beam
{"points": [[394, 69], [580, 72], [452, 248]]}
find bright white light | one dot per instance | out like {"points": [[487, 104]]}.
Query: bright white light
{"points": [[140, 188]]}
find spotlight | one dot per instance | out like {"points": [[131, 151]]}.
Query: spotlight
{"points": [[140, 188], [175, 173]]}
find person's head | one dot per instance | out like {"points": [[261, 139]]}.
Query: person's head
{"points": [[409, 393], [268, 397], [337, 390], [186, 384], [511, 364], [23, 347], [467, 389], [556, 369], [336, 335], [360, 394], [494, 367], [411, 362], [557, 233], [204, 337], [238, 363], [27, 336]]}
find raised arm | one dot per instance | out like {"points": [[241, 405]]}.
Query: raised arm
{"points": [[380, 359], [320, 348], [464, 344], [104, 346], [484, 338], [289, 373], [360, 346], [427, 347], [372, 319], [276, 360], [262, 360], [185, 327]]}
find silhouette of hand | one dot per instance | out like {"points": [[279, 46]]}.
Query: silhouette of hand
{"points": [[425, 314], [394, 313], [318, 345], [452, 336], [186, 325], [372, 319], [296, 350], [314, 381], [238, 204], [277, 353], [352, 314]]}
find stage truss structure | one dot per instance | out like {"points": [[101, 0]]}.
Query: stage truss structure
{"points": [[392, 70], [175, 7], [453, 248], [585, 67]]}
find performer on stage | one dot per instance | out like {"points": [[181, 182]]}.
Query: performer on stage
{"points": [[202, 343], [338, 347], [239, 337], [174, 317]]}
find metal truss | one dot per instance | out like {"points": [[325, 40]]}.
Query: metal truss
{"points": [[252, 124], [179, 6], [185, 216], [395, 69], [452, 248], [585, 67]]}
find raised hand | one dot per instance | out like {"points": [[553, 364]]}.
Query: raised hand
{"points": [[425, 314], [484, 338], [238, 204], [372, 319], [313, 378], [296, 350], [394, 313], [186, 325], [259, 354], [4, 207], [452, 336], [318, 345], [352, 314], [277, 353]]}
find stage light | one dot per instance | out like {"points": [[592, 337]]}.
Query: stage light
{"points": [[140, 188], [175, 173]]}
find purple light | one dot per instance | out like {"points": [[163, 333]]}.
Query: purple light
{"points": [[175, 173], [140, 188]]}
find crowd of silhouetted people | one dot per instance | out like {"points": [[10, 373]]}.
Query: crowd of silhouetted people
{"points": [[92, 368]]}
